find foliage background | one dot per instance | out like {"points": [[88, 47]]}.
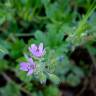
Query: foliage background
{"points": [[68, 30]]}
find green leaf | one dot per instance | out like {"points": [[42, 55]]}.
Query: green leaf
{"points": [[51, 91], [78, 71], [10, 90], [23, 75], [3, 64], [40, 36], [3, 50], [73, 80], [45, 2], [17, 48], [42, 77], [21, 59], [54, 78]]}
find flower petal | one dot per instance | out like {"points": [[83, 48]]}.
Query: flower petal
{"points": [[30, 72], [37, 51], [24, 66], [33, 47], [30, 60]]}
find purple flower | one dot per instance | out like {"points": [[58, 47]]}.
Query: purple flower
{"points": [[37, 51], [28, 66]]}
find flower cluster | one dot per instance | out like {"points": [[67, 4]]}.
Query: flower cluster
{"points": [[30, 65], [37, 51]]}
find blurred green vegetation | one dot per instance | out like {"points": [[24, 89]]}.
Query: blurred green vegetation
{"points": [[63, 26]]}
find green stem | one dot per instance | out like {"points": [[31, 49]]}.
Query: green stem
{"points": [[85, 18]]}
